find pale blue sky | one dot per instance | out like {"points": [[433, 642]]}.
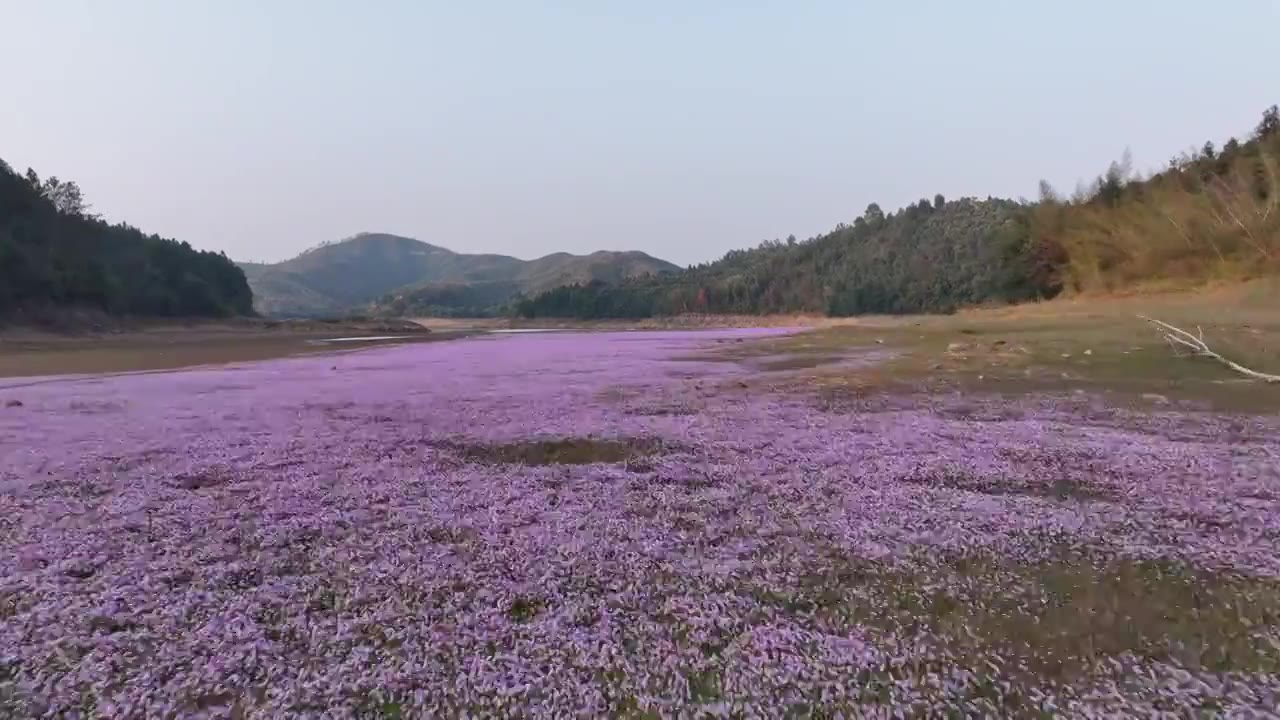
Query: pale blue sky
{"points": [[685, 129]]}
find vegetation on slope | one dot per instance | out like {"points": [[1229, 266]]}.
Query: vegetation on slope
{"points": [[399, 275], [1213, 214], [928, 257], [55, 255]]}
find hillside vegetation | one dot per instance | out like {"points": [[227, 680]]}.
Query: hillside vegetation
{"points": [[390, 274], [55, 255], [1213, 214]]}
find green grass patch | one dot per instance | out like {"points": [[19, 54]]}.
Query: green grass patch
{"points": [[1096, 346], [1057, 619]]}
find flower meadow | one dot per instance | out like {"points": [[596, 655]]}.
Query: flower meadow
{"points": [[602, 525]]}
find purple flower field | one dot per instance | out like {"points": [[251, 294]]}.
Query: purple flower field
{"points": [[582, 525]]}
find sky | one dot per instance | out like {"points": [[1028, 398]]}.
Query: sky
{"points": [[684, 129]]}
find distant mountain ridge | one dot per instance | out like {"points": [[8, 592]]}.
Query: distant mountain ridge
{"points": [[388, 272]]}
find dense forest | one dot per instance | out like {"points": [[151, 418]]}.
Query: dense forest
{"points": [[55, 254], [1212, 214]]}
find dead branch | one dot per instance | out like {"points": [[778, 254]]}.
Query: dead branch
{"points": [[1182, 232], [1224, 194], [1181, 339]]}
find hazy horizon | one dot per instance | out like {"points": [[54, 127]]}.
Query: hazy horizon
{"points": [[680, 131]]}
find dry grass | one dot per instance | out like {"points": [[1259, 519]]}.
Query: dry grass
{"points": [[1181, 227]]}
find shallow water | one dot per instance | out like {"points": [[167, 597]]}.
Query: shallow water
{"points": [[368, 338]]}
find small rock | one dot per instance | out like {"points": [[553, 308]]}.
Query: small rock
{"points": [[957, 347], [980, 377], [879, 341], [79, 570], [1156, 398], [13, 403], [1088, 352], [936, 366], [998, 343], [1066, 355]]}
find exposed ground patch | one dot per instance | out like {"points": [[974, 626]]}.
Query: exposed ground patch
{"points": [[1048, 486], [563, 451], [1098, 346], [798, 362]]}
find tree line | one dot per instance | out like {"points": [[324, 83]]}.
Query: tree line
{"points": [[932, 256], [56, 254]]}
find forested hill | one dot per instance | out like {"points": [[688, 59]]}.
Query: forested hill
{"points": [[55, 255], [1212, 214], [931, 256]]}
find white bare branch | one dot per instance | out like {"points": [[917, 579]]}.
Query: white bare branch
{"points": [[1179, 338]]}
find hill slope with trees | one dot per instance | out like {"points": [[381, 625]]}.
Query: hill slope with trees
{"points": [[56, 255], [1213, 214]]}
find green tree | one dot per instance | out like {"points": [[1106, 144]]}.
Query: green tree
{"points": [[54, 253]]}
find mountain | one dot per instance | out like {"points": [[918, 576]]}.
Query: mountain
{"points": [[396, 274], [55, 255]]}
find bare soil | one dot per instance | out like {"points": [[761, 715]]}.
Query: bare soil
{"points": [[28, 352]]}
